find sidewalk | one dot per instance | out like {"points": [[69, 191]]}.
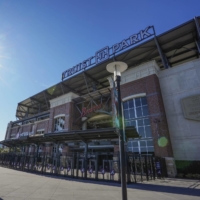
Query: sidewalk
{"points": [[17, 185]]}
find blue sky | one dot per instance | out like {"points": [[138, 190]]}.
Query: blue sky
{"points": [[40, 39]]}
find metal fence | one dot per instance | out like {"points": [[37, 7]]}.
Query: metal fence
{"points": [[98, 166]]}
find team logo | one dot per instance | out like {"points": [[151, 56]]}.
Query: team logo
{"points": [[90, 171], [82, 170], [68, 169], [112, 172]]}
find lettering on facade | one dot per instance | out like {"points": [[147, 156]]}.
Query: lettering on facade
{"points": [[24, 134], [102, 55], [191, 107], [86, 111], [108, 52]]}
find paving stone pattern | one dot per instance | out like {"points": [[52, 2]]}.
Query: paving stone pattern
{"points": [[17, 185]]}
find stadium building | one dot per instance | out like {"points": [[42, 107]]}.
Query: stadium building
{"points": [[160, 96]]}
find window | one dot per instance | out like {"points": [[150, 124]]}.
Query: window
{"points": [[54, 149], [40, 132], [59, 123], [136, 114], [141, 146]]}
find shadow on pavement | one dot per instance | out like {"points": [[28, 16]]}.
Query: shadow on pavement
{"points": [[166, 189], [192, 191], [147, 187]]}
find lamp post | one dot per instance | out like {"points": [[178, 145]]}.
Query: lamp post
{"points": [[117, 68]]}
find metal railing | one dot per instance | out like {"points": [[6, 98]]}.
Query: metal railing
{"points": [[98, 166]]}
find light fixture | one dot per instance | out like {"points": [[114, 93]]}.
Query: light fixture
{"points": [[117, 68]]}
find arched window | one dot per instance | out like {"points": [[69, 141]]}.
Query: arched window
{"points": [[59, 122]]}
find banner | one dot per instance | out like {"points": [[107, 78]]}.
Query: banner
{"points": [[116, 113], [115, 107]]}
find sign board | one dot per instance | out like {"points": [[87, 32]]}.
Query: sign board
{"points": [[108, 52], [158, 165], [116, 113], [86, 111], [23, 134], [191, 107], [115, 106], [112, 172], [158, 168]]}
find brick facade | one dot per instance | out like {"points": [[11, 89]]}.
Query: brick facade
{"points": [[67, 110], [26, 128], [62, 106], [150, 85], [14, 131], [41, 125]]}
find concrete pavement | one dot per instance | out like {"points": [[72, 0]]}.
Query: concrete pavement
{"points": [[17, 185]]}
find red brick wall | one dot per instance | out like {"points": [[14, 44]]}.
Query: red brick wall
{"points": [[65, 149], [42, 125], [51, 120], [62, 109], [150, 85], [26, 128], [14, 131], [116, 148], [48, 149], [75, 118], [66, 109], [68, 115]]}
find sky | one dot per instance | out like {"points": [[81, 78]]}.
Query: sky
{"points": [[39, 39]]}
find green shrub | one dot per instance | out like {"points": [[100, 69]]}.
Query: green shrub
{"points": [[196, 176], [189, 175]]}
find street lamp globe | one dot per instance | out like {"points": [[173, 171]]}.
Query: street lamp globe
{"points": [[116, 68]]}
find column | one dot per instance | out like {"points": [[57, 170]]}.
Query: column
{"points": [[85, 166]]}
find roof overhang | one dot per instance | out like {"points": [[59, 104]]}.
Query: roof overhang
{"points": [[72, 136], [178, 45]]}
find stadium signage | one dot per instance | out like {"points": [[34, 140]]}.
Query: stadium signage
{"points": [[108, 52], [191, 107], [86, 111]]}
